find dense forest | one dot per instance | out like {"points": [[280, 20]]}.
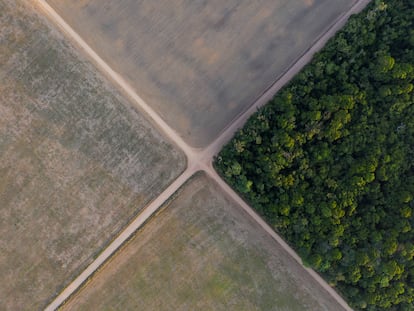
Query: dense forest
{"points": [[329, 162]]}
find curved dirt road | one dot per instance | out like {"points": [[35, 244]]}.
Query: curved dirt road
{"points": [[197, 159]]}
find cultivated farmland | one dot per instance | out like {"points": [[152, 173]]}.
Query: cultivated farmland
{"points": [[199, 64], [76, 162], [201, 252]]}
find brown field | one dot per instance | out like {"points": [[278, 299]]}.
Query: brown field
{"points": [[202, 252], [76, 162], [199, 64]]}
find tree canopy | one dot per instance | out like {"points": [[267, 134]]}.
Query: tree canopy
{"points": [[329, 161]]}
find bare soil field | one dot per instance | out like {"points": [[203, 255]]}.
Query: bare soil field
{"points": [[199, 64], [76, 162], [201, 252]]}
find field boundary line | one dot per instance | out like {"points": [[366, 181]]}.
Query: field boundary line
{"points": [[286, 247], [111, 249], [267, 95], [115, 77]]}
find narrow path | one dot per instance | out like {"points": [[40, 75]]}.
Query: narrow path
{"points": [[197, 159], [230, 192], [263, 99], [120, 239], [114, 77]]}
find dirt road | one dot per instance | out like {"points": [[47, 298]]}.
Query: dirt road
{"points": [[197, 159]]}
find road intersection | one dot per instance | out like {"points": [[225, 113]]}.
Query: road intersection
{"points": [[197, 159]]}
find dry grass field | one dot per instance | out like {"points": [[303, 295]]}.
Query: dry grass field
{"points": [[76, 162], [200, 63], [201, 252]]}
